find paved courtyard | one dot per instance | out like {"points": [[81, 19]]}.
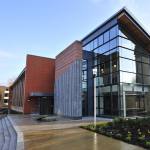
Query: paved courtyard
{"points": [[63, 135]]}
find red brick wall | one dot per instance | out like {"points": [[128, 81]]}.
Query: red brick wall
{"points": [[67, 56], [39, 77]]}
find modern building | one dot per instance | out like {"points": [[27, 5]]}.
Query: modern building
{"points": [[33, 90], [119, 49]]}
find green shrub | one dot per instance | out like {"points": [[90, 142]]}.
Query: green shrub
{"points": [[147, 143], [128, 138]]}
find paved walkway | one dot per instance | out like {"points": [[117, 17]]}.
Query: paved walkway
{"points": [[8, 136], [63, 135]]}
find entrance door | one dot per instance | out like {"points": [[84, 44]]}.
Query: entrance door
{"points": [[46, 105]]}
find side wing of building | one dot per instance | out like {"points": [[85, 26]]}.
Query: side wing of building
{"points": [[68, 81]]}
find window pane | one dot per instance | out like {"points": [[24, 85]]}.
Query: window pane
{"points": [[115, 78], [146, 69], [113, 32], [106, 36], [95, 43], [96, 52], [105, 68], [100, 40], [87, 47], [113, 44], [91, 46], [127, 77], [145, 59], [126, 43], [104, 57], [127, 65], [146, 79], [114, 65], [84, 64], [126, 53], [114, 54], [104, 48], [138, 67], [138, 78], [105, 80]]}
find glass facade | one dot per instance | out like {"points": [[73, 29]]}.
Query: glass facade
{"points": [[123, 73]]}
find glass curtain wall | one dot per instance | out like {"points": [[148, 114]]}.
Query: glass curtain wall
{"points": [[106, 60], [123, 67], [134, 75]]}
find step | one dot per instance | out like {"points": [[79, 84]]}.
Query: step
{"points": [[6, 135], [2, 140], [13, 134]]}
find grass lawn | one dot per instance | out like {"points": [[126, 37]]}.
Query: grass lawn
{"points": [[133, 131]]}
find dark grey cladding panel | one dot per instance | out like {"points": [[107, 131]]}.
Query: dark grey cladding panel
{"points": [[99, 31], [68, 91], [89, 57]]}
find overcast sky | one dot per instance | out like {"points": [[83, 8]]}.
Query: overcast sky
{"points": [[46, 27]]}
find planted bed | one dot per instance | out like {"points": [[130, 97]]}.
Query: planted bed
{"points": [[133, 131]]}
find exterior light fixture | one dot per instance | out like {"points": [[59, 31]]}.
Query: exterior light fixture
{"points": [[94, 75]]}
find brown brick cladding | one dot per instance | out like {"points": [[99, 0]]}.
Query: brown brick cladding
{"points": [[66, 57], [39, 77]]}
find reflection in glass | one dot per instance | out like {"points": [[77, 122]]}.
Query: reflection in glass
{"points": [[146, 69], [95, 43], [113, 44], [104, 48], [126, 53], [106, 36], [127, 65], [127, 77], [126, 43], [100, 40], [113, 32]]}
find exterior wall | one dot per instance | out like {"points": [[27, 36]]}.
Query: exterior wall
{"points": [[39, 77], [17, 94], [68, 92]]}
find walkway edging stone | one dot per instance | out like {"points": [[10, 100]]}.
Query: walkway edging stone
{"points": [[20, 137]]}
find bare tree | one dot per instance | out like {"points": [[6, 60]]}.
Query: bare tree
{"points": [[11, 81]]}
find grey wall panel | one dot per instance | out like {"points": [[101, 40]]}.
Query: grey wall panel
{"points": [[68, 91]]}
